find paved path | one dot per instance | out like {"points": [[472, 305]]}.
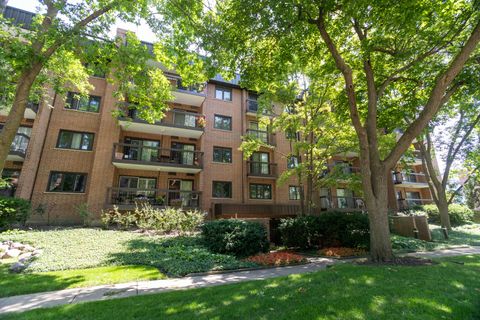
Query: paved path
{"points": [[69, 296]]}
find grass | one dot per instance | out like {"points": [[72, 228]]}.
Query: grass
{"points": [[464, 235], [449, 290], [84, 257], [81, 248], [23, 283]]}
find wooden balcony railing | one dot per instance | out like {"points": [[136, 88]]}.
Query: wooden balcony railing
{"points": [[155, 155], [156, 197]]}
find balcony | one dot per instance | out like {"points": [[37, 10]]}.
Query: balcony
{"points": [[341, 203], [262, 135], [175, 123], [252, 108], [405, 204], [261, 169], [191, 95], [409, 180], [340, 170], [18, 149], [129, 198], [30, 111], [133, 156]]}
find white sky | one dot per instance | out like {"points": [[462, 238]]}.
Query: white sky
{"points": [[142, 31]]}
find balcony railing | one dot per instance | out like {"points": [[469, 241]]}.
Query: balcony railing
{"points": [[261, 169], [262, 135], [252, 107], [196, 89], [130, 197], [154, 155], [405, 177], [176, 118], [340, 169], [20, 144], [404, 204], [335, 202]]}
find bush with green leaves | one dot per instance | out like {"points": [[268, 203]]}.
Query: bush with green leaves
{"points": [[329, 229], [459, 214], [13, 211], [236, 237], [163, 220]]}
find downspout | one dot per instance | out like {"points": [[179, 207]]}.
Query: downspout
{"points": [[43, 147], [243, 113]]}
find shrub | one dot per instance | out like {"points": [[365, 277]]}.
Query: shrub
{"points": [[13, 210], [339, 252], [162, 220], [459, 214], [329, 229], [84, 213], [280, 258], [237, 237]]}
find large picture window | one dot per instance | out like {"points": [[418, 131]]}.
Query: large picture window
{"points": [[260, 191], [67, 182], [222, 154], [221, 189], [222, 122], [75, 140], [80, 103]]}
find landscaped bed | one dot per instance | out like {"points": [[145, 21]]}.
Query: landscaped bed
{"points": [[73, 257], [448, 290]]}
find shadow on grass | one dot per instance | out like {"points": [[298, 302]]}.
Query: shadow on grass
{"points": [[23, 283], [176, 256], [465, 235], [444, 291]]}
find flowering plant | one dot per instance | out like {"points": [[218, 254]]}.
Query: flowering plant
{"points": [[339, 252], [202, 122], [279, 258]]}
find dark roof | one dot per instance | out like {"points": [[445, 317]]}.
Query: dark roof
{"points": [[19, 17]]}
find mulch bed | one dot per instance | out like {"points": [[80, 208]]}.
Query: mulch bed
{"points": [[401, 261]]}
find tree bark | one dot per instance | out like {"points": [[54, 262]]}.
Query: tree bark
{"points": [[442, 205], [15, 116]]}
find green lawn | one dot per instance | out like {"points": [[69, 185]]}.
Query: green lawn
{"points": [[86, 257], [15, 284], [449, 290]]}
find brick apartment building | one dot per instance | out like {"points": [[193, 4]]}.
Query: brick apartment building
{"points": [[69, 152]]}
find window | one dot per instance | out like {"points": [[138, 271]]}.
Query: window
{"points": [[223, 122], [67, 182], [75, 140], [294, 192], [292, 162], [223, 93], [76, 102], [292, 135], [259, 163], [260, 191], [222, 154], [221, 189]]}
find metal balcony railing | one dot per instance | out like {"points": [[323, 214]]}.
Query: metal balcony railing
{"points": [[406, 177], [404, 204], [176, 118], [262, 135], [335, 202], [155, 197], [20, 144], [261, 169], [252, 107], [156, 155]]}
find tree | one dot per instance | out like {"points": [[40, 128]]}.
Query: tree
{"points": [[314, 132], [73, 36], [398, 59], [457, 142]]}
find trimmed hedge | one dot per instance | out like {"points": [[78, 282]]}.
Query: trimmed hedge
{"points": [[329, 229], [236, 237], [12, 211], [459, 215]]}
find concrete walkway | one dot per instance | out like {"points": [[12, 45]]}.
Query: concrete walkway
{"points": [[69, 296], [55, 298]]}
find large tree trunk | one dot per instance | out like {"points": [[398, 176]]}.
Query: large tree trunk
{"points": [[442, 205], [377, 206], [17, 111]]}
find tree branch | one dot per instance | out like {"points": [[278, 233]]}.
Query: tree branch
{"points": [[436, 99], [470, 175]]}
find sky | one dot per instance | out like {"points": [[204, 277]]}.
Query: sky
{"points": [[142, 31]]}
